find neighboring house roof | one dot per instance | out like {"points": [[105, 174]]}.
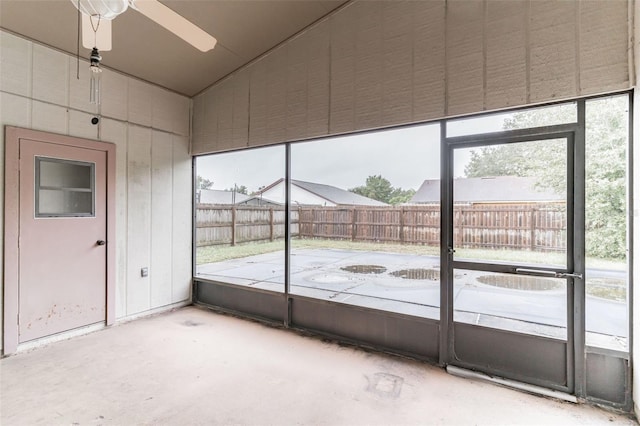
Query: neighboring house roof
{"points": [[502, 189], [216, 196], [337, 195], [330, 193], [259, 201]]}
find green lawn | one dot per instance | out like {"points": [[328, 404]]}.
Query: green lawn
{"points": [[212, 254]]}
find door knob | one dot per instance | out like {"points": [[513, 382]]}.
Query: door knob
{"points": [[101, 242]]}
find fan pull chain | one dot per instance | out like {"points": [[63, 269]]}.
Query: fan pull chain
{"points": [[78, 43], [95, 29]]}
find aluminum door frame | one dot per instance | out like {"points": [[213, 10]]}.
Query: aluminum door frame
{"points": [[574, 135]]}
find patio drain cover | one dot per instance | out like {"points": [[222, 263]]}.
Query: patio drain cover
{"points": [[364, 269]]}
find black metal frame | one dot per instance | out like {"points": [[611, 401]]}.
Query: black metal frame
{"points": [[449, 263], [581, 359]]}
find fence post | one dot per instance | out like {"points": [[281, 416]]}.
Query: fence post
{"points": [[271, 224], [460, 218], [354, 230], [401, 230], [233, 225], [533, 228]]}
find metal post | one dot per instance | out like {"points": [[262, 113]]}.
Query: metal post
{"points": [[446, 245], [287, 235], [576, 228]]}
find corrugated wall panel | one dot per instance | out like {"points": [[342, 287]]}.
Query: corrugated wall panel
{"points": [[276, 71], [428, 60], [258, 104], [465, 53], [343, 63], [377, 64], [552, 44], [223, 104], [297, 87], [397, 64], [240, 120], [603, 52], [506, 53], [318, 80], [367, 94]]}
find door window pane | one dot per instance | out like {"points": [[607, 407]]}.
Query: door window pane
{"points": [[510, 203], [240, 218], [520, 303], [365, 215], [606, 177], [64, 188]]}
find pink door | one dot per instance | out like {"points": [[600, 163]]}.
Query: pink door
{"points": [[62, 234]]}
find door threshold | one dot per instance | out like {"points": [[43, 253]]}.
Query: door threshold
{"points": [[64, 335], [538, 390]]}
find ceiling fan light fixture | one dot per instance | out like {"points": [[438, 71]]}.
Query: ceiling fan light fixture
{"points": [[105, 9], [96, 71]]}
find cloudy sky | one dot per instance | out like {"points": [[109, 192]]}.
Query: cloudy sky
{"points": [[406, 157]]}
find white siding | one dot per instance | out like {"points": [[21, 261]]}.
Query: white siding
{"points": [[150, 127], [299, 196], [377, 64]]}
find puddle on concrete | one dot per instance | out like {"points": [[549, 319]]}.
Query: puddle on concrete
{"points": [[517, 282], [365, 269], [607, 288], [417, 274]]}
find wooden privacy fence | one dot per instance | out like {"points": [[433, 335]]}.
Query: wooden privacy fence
{"points": [[539, 227], [225, 224]]}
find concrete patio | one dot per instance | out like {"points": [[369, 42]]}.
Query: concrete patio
{"points": [[319, 273], [195, 367]]}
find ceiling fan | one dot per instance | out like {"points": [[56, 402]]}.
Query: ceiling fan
{"points": [[98, 14]]}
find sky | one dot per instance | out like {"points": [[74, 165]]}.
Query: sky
{"points": [[405, 156]]}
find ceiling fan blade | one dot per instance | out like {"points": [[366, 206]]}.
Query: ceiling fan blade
{"points": [[175, 23], [101, 38]]}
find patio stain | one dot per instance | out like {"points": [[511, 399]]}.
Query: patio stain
{"points": [[364, 269], [417, 274]]}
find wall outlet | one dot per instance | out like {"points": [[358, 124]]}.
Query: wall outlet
{"points": [[144, 272]]}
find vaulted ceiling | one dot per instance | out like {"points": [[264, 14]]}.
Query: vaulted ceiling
{"points": [[245, 29]]}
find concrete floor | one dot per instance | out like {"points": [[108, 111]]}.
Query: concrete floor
{"points": [[192, 366]]}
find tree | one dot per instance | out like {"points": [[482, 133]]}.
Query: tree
{"points": [[239, 189], [379, 188], [399, 196], [202, 183], [605, 179]]}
